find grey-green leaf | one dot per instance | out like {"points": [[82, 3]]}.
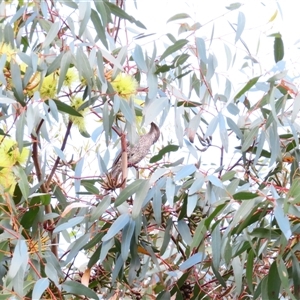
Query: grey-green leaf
{"points": [[171, 49]]}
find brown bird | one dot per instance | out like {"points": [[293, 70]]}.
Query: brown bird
{"points": [[135, 153]]}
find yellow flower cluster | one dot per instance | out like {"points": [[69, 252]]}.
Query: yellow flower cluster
{"points": [[71, 77], [125, 85], [48, 88], [8, 50], [10, 155], [78, 121]]}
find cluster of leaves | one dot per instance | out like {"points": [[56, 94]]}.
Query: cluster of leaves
{"points": [[176, 228]]}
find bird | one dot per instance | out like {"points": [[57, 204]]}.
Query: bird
{"points": [[135, 153]]}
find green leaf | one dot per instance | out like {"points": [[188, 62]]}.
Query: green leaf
{"points": [[278, 48], [191, 261], [249, 270], [296, 276], [163, 151], [178, 17], [29, 217], [39, 288], [128, 191], [64, 66], [140, 196], [117, 226], [51, 34], [127, 111], [17, 85], [234, 6], [19, 259], [244, 196], [76, 288], [22, 180], [83, 65], [154, 108], [216, 245], [62, 107], [123, 15], [99, 28], [69, 224], [201, 49], [247, 87], [274, 282], [240, 26], [171, 49], [126, 239], [282, 219], [238, 273], [185, 171], [250, 138], [164, 296], [138, 57], [84, 10]]}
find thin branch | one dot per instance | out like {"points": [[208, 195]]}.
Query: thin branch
{"points": [[63, 146]]}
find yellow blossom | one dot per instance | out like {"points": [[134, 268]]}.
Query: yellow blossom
{"points": [[8, 50], [78, 121], [10, 153], [7, 181], [71, 77], [125, 86], [48, 87]]}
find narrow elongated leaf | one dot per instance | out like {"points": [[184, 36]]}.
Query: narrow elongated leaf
{"points": [[216, 246], [296, 276], [99, 28], [138, 57], [78, 171], [39, 288], [278, 48], [201, 48], [191, 261], [234, 6], [223, 132], [84, 9], [140, 197], [163, 151], [155, 107], [71, 223], [251, 136], [178, 17], [282, 220], [127, 111], [184, 231], [274, 282], [52, 33], [238, 273], [64, 66], [116, 227], [171, 49], [76, 288], [19, 259], [247, 87], [128, 191], [249, 270], [123, 15], [244, 196], [62, 107], [22, 180], [126, 239], [240, 26], [184, 172]]}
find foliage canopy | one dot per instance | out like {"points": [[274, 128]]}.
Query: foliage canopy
{"points": [[211, 213]]}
